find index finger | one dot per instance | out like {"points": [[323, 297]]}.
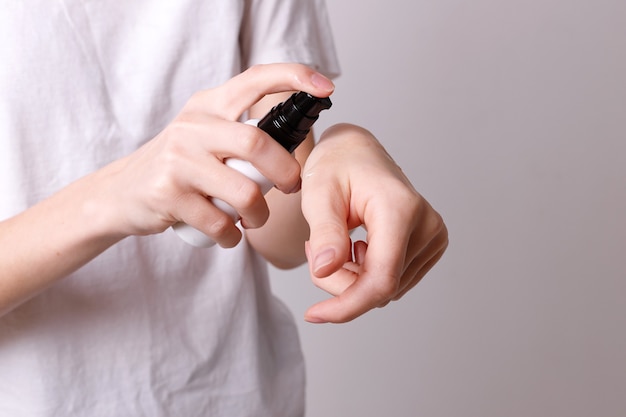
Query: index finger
{"points": [[239, 93]]}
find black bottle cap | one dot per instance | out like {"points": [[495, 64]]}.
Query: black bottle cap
{"points": [[290, 121]]}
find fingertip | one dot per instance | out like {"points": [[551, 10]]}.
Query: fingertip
{"points": [[338, 309], [321, 82], [231, 240], [314, 320]]}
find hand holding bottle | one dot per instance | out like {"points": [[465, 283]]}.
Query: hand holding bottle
{"points": [[289, 124], [170, 179]]}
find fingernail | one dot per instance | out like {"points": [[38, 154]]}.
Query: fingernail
{"points": [[323, 259], [315, 320], [297, 187], [319, 81]]}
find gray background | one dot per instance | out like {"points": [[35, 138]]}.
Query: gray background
{"points": [[510, 117]]}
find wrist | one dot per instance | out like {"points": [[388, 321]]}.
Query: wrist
{"points": [[97, 208]]}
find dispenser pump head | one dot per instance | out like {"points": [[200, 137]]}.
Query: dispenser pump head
{"points": [[290, 121]]}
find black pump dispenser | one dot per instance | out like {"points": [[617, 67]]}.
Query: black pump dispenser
{"points": [[290, 121]]}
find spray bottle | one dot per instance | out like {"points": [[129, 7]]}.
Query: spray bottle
{"points": [[288, 123]]}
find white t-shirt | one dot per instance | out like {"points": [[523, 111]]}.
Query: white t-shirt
{"points": [[152, 327]]}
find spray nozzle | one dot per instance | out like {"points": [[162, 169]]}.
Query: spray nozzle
{"points": [[290, 121]]}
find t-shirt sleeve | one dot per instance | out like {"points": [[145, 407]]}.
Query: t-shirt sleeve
{"points": [[288, 31]]}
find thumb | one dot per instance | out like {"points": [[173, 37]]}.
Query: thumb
{"points": [[329, 245]]}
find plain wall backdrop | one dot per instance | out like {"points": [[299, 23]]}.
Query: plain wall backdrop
{"points": [[510, 118]]}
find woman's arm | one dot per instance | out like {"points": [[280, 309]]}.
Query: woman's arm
{"points": [[163, 182], [52, 239]]}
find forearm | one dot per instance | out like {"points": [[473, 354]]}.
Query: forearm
{"points": [[50, 240]]}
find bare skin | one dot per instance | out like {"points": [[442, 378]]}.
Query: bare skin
{"points": [[167, 181]]}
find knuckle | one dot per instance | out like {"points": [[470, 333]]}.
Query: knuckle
{"points": [[326, 231], [247, 194], [255, 70], [445, 239], [171, 159], [162, 187], [384, 290], [251, 141], [168, 157], [219, 227], [435, 225], [178, 129], [411, 199], [415, 206], [438, 225]]}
